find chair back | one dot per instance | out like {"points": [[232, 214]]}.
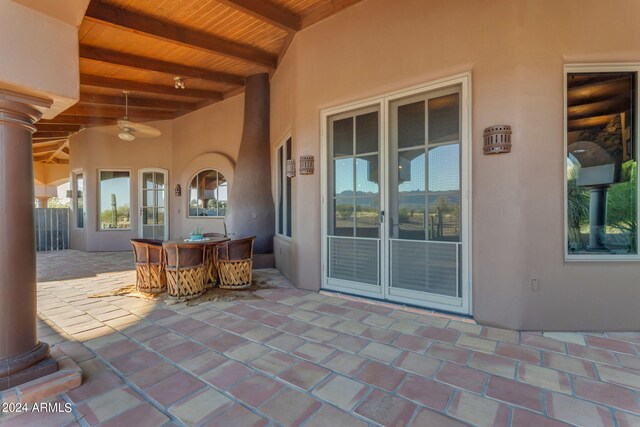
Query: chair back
{"points": [[214, 235], [236, 249], [147, 251], [178, 256]]}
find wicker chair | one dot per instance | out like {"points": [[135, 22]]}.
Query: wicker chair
{"points": [[186, 269], [212, 269], [235, 263], [150, 269]]}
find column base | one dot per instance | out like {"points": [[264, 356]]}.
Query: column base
{"points": [[27, 367]]}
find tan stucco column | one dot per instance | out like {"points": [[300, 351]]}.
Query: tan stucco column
{"points": [[22, 356], [43, 201]]}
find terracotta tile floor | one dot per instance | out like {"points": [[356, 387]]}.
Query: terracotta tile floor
{"points": [[303, 358]]}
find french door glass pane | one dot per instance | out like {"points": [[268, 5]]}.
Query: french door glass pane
{"points": [[367, 175], [367, 133], [411, 218], [160, 198], [343, 137], [147, 198], [147, 181], [444, 118], [444, 168], [444, 217], [160, 216], [411, 124], [343, 177], [343, 218], [411, 171], [159, 181], [367, 217]]}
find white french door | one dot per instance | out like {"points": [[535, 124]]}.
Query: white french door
{"points": [[396, 196], [152, 200]]}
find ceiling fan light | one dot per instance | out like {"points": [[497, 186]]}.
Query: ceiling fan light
{"points": [[126, 135]]}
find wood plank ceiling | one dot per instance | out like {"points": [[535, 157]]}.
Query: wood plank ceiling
{"points": [[142, 45]]}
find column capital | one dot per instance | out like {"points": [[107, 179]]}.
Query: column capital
{"points": [[21, 110]]}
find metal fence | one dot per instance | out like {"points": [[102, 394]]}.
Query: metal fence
{"points": [[52, 229]]}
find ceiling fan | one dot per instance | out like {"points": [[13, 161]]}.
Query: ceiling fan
{"points": [[128, 130]]}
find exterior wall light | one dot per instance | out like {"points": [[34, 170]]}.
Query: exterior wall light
{"points": [[306, 165], [178, 190], [291, 168], [497, 139]]}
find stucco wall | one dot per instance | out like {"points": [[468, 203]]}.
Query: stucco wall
{"points": [[516, 51], [205, 139], [91, 150]]}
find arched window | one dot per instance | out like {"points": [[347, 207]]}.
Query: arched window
{"points": [[208, 194]]}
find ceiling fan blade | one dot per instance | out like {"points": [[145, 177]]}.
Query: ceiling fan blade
{"points": [[139, 130]]}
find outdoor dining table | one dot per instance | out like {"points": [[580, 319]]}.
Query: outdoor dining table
{"points": [[209, 247]]}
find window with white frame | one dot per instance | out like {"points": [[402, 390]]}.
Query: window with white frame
{"points": [[115, 200], [208, 194], [601, 216], [283, 190]]}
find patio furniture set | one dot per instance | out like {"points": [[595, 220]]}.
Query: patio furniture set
{"points": [[184, 268]]}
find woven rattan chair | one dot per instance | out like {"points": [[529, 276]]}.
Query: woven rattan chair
{"points": [[235, 263], [212, 258], [150, 271], [186, 269]]}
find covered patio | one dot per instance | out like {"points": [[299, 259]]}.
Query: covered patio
{"points": [[296, 357]]}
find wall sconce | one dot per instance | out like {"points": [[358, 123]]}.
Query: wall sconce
{"points": [[497, 139], [178, 190], [306, 165], [291, 168]]}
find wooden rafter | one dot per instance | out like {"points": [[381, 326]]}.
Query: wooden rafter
{"points": [[48, 149], [47, 127], [81, 120], [117, 112], [59, 149], [600, 108], [326, 10], [133, 86], [150, 64], [47, 135], [147, 25], [267, 12], [134, 101]]}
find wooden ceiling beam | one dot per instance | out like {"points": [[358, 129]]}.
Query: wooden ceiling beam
{"points": [[48, 149], [117, 112], [267, 12], [87, 98], [43, 135], [81, 120], [597, 91], [48, 127], [45, 142], [133, 86], [150, 64], [326, 10], [55, 153], [59, 161], [147, 25]]}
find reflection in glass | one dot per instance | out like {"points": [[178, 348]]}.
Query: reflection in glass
{"points": [[343, 217], [114, 200], [343, 137], [343, 171], [147, 198], [147, 181], [367, 175], [411, 217], [367, 133], [444, 119], [281, 174], [411, 170], [159, 180], [444, 217], [208, 194], [367, 217], [444, 168], [602, 168], [411, 125]]}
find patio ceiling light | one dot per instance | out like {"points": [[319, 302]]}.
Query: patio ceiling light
{"points": [[179, 82], [126, 135]]}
